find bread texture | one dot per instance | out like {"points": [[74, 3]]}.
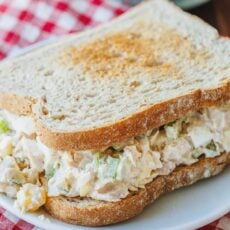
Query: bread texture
{"points": [[85, 211], [103, 86]]}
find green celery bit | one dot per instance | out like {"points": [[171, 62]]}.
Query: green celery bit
{"points": [[4, 127], [49, 172], [57, 165], [211, 146], [96, 161], [20, 160], [113, 165]]}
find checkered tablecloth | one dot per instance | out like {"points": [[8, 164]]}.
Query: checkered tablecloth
{"points": [[24, 22]]}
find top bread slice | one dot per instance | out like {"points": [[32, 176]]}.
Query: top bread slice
{"points": [[140, 71]]}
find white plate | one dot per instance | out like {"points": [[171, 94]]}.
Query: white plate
{"points": [[188, 4], [186, 208]]}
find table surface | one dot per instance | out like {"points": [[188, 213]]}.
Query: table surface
{"points": [[217, 13]]}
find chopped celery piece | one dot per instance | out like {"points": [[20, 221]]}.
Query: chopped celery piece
{"points": [[211, 146], [4, 127], [49, 172], [113, 165]]}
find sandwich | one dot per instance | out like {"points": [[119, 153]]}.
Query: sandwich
{"points": [[98, 125]]}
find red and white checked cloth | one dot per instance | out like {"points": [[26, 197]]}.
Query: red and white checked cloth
{"points": [[24, 22]]}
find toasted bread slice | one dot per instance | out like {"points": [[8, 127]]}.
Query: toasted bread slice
{"points": [[85, 211], [144, 69]]}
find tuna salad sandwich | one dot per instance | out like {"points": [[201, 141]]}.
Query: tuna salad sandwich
{"points": [[98, 125]]}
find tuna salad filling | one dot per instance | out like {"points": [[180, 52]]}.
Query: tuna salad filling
{"points": [[108, 174]]}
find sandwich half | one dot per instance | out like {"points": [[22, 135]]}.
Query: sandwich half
{"points": [[98, 125]]}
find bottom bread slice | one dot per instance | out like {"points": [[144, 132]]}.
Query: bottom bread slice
{"points": [[89, 212]]}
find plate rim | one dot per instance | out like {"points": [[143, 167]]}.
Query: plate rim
{"points": [[33, 218]]}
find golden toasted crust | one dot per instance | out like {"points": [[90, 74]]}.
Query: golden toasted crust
{"points": [[85, 212], [136, 124], [152, 117]]}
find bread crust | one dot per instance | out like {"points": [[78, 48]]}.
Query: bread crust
{"points": [[153, 116], [105, 213]]}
